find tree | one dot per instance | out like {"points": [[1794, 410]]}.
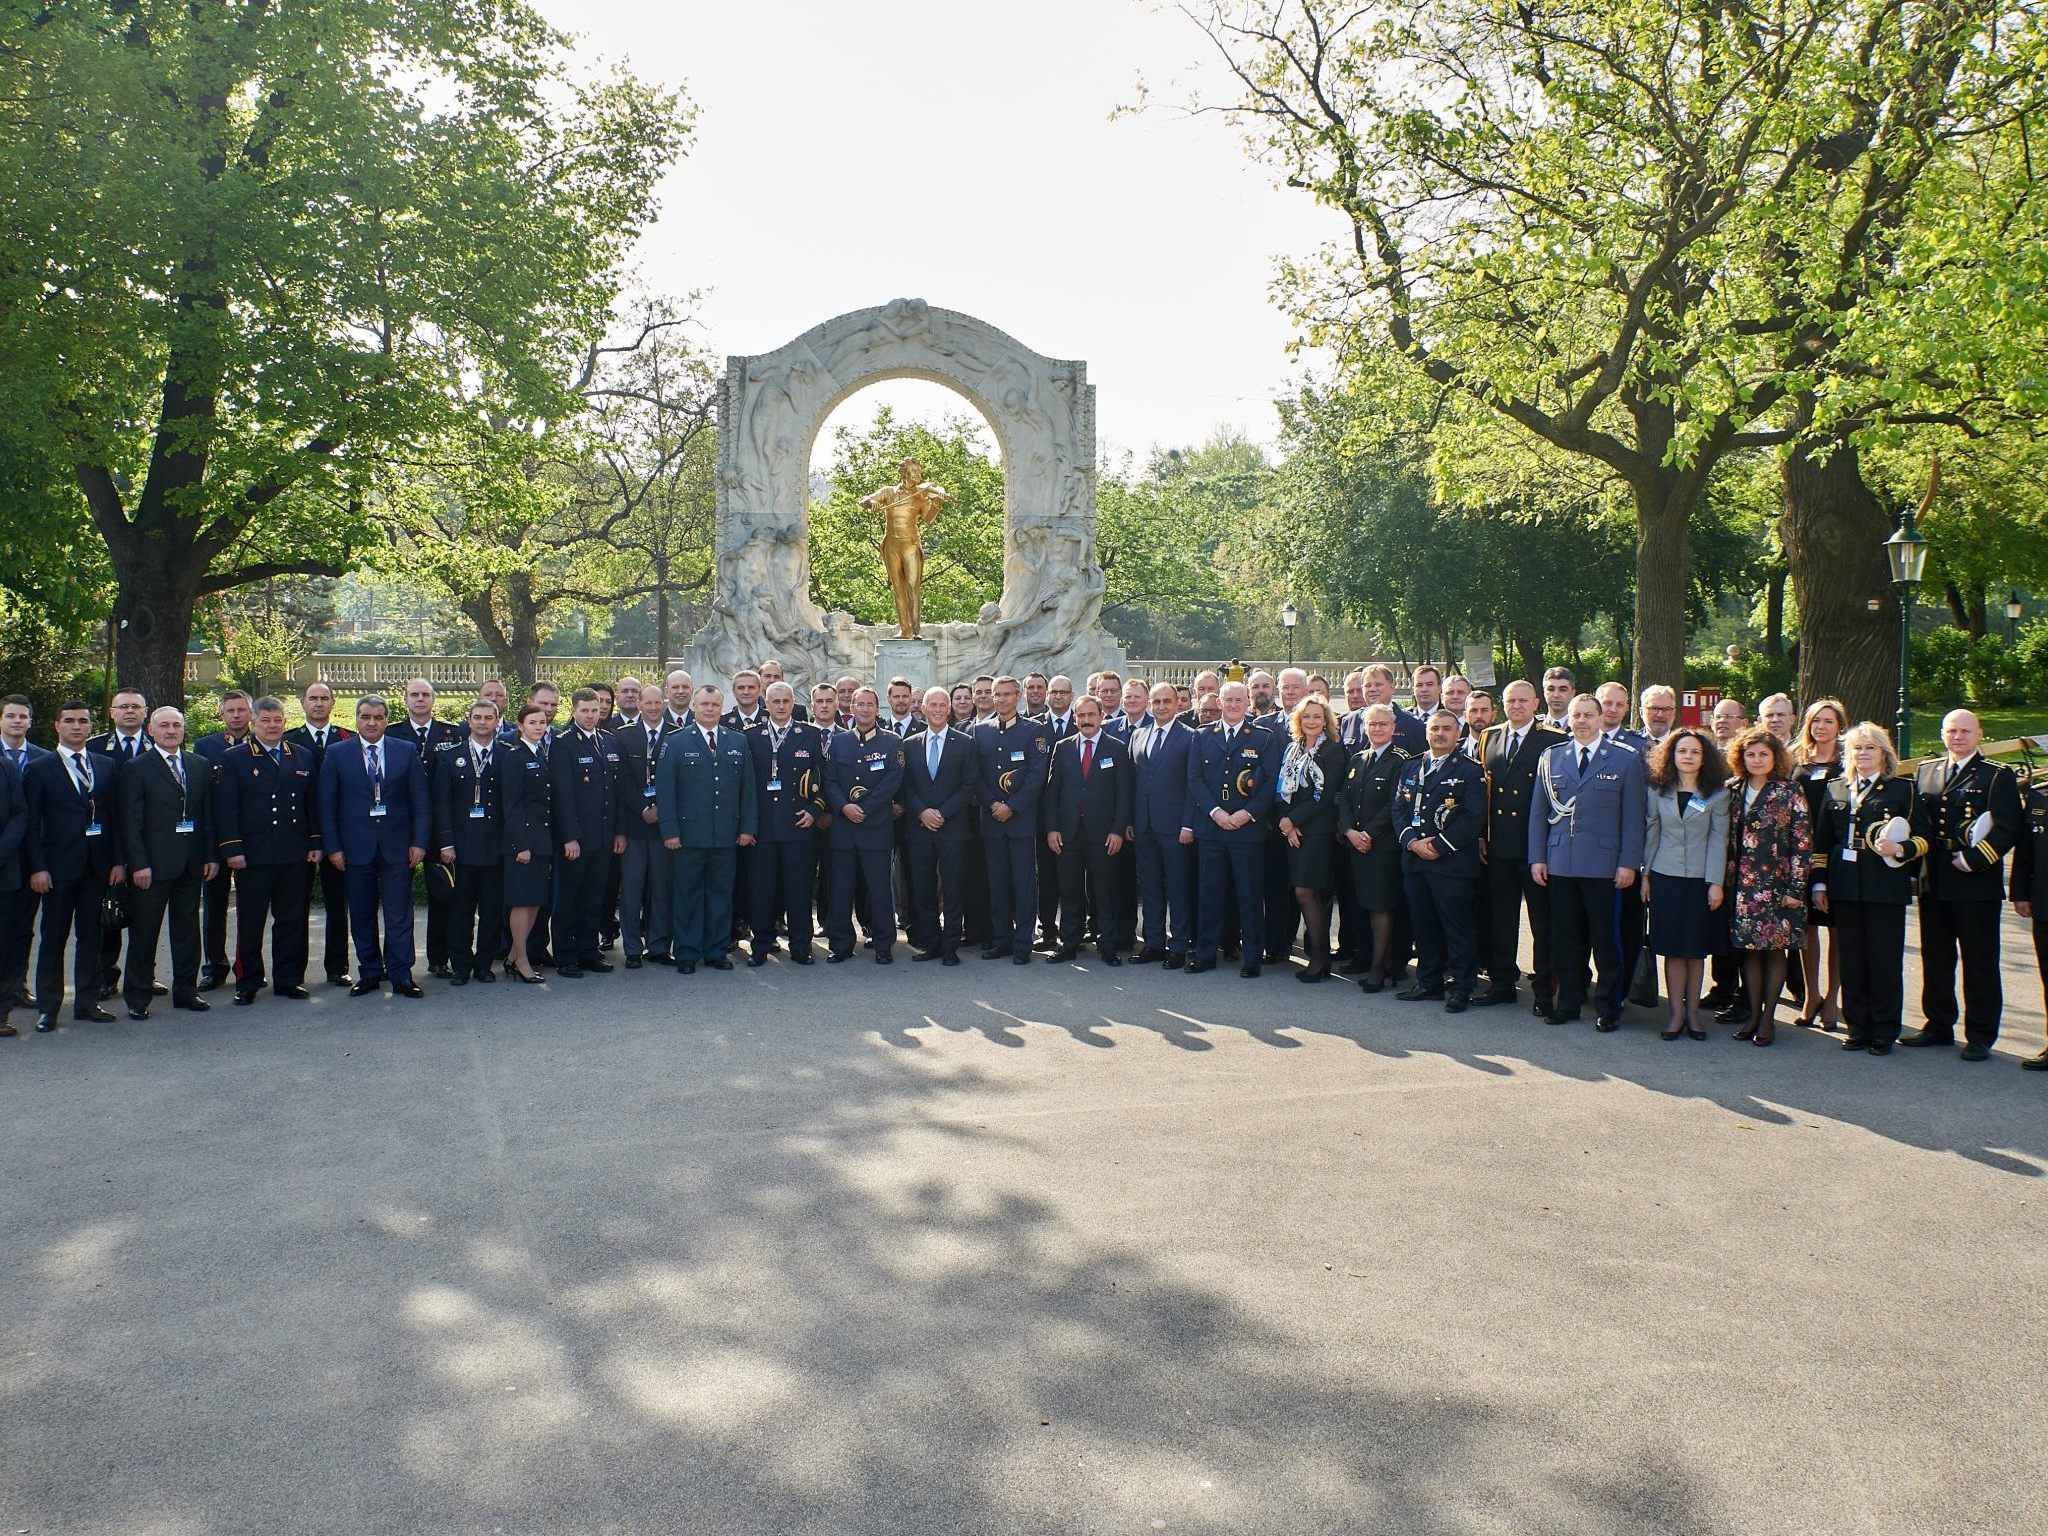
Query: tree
{"points": [[251, 236]]}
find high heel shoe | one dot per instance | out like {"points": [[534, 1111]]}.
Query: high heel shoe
{"points": [[1747, 1032], [531, 978], [1672, 1033], [1765, 1034], [1694, 1032], [1315, 972]]}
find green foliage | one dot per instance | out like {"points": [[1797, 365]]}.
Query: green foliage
{"points": [[1940, 664], [42, 662], [1751, 677]]}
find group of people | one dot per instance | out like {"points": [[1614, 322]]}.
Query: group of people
{"points": [[1234, 818]]}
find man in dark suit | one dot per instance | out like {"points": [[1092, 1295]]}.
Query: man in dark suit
{"points": [[217, 900], [646, 868], [863, 776], [469, 834], [790, 815], [1510, 753], [938, 805], [1058, 717], [375, 822], [705, 791], [124, 743], [73, 853], [1165, 835], [1231, 771], [319, 733], [267, 820], [583, 767], [1088, 808], [16, 753], [167, 838], [432, 739], [17, 909], [1013, 756]]}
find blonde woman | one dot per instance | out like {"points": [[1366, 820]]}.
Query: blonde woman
{"points": [[1305, 810], [1817, 763], [1863, 880]]}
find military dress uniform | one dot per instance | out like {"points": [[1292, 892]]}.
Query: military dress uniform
{"points": [[584, 771], [265, 812], [789, 781], [1442, 801], [1231, 770], [1867, 901], [2029, 885], [216, 896], [1960, 908], [433, 740], [469, 823], [1060, 727], [332, 883], [1585, 823], [1014, 758], [864, 770], [705, 791], [1510, 758]]}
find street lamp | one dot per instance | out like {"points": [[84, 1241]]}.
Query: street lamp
{"points": [[2013, 609], [1289, 617], [1906, 552]]}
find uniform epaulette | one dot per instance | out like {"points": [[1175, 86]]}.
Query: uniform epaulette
{"points": [[1624, 746]]}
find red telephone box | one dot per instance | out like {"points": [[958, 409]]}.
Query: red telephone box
{"points": [[1696, 705]]}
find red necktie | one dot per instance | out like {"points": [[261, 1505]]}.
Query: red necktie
{"points": [[1087, 755]]}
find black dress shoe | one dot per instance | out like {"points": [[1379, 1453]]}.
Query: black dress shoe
{"points": [[634, 962], [407, 988], [211, 980], [138, 1014], [158, 989], [340, 980], [93, 1015], [1855, 1045], [1734, 1013], [602, 965], [1371, 984], [1886, 1050], [443, 970], [883, 957], [458, 981], [192, 1004], [1924, 1037], [1196, 967], [1494, 996], [755, 962], [244, 999], [2035, 1063], [838, 956], [1606, 1023], [1249, 969], [296, 993], [1110, 957], [947, 959], [662, 957], [1062, 956], [571, 971], [992, 953], [1022, 957], [46, 1023], [1560, 1018], [715, 962], [484, 973], [545, 957], [1175, 962], [923, 954], [1419, 994], [1456, 1002], [1975, 1053], [365, 988], [1148, 956], [804, 957]]}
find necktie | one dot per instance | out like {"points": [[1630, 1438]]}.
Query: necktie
{"points": [[84, 773], [711, 741], [543, 749], [277, 756], [15, 755], [177, 763], [1949, 777], [1087, 755], [483, 762], [320, 738], [1514, 742], [931, 755], [1585, 753]]}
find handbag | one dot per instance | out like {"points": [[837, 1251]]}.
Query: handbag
{"points": [[114, 907]]}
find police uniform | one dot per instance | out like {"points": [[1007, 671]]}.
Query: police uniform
{"points": [[705, 791], [331, 882], [789, 781], [433, 741], [583, 767], [1013, 760], [1442, 801], [264, 812], [1959, 908], [1510, 758], [469, 820], [864, 770], [1586, 821], [1867, 900], [2030, 885], [216, 896], [1231, 770]]}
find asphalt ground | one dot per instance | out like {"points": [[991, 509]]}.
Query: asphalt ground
{"points": [[992, 1249]]}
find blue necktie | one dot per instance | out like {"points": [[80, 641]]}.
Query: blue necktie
{"points": [[931, 757]]}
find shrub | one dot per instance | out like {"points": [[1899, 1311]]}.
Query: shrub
{"points": [[1940, 660]]}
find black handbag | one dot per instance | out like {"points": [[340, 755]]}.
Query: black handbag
{"points": [[114, 907]]}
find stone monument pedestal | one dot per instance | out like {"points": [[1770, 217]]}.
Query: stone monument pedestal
{"points": [[917, 660]]}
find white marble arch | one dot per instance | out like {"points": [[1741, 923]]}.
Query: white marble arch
{"points": [[771, 408]]}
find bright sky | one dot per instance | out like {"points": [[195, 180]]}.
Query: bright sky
{"points": [[962, 152]]}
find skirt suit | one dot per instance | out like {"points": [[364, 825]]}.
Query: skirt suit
{"points": [[1367, 806], [1685, 851], [1313, 810], [527, 804]]}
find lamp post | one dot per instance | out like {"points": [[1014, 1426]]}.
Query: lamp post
{"points": [[1906, 552], [1289, 617], [2013, 609]]}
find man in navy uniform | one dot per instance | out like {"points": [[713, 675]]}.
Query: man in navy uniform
{"points": [[1164, 832], [583, 771], [704, 788], [218, 897], [469, 836], [938, 824], [1510, 753], [1585, 846], [789, 792], [167, 838], [1439, 818], [1088, 809], [319, 732], [431, 738], [1972, 807], [267, 826], [72, 855], [646, 868], [375, 824], [1231, 770], [863, 775], [1013, 756]]}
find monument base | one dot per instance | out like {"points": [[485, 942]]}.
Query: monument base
{"points": [[917, 660]]}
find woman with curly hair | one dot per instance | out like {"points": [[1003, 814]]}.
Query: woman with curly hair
{"points": [[1685, 859], [1770, 850]]}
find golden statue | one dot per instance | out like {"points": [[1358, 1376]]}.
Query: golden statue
{"points": [[905, 507]]}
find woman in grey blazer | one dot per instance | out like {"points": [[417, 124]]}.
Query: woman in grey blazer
{"points": [[1685, 860]]}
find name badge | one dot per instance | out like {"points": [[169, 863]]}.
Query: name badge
{"points": [[185, 825], [476, 813], [1816, 773], [586, 761], [377, 811], [1016, 757], [774, 786], [92, 829], [647, 793], [1106, 764], [1848, 855]]}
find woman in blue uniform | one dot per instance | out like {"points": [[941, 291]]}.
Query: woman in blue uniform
{"points": [[527, 805]]}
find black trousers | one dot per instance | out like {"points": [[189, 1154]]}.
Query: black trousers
{"points": [[476, 912], [1509, 890], [1631, 920], [1048, 891], [1012, 891], [974, 892], [17, 929], [1084, 863], [1232, 880], [69, 910], [334, 902], [177, 900], [1582, 923], [1440, 906], [861, 872], [1123, 895], [217, 899], [1283, 912], [1969, 930], [438, 898], [278, 893], [2041, 949], [938, 905], [579, 904], [612, 887], [1870, 941], [780, 878]]}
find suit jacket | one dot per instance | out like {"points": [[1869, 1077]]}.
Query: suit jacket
{"points": [[1687, 844], [797, 771], [1234, 777], [867, 773], [346, 825], [13, 829], [1316, 816], [903, 730], [584, 772], [1411, 732], [1097, 805], [31, 753], [950, 793], [1980, 788], [1511, 787], [432, 742], [108, 744], [1369, 794], [526, 800], [152, 805], [1585, 827], [639, 756], [707, 800], [1159, 792], [56, 844], [265, 810], [457, 791]]}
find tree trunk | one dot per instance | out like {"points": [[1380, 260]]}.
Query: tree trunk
{"points": [[1774, 612], [1529, 650], [1958, 610], [1833, 530], [152, 622], [1664, 508], [1974, 598], [661, 618]]}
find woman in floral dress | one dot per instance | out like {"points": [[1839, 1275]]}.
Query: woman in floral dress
{"points": [[1770, 850]]}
